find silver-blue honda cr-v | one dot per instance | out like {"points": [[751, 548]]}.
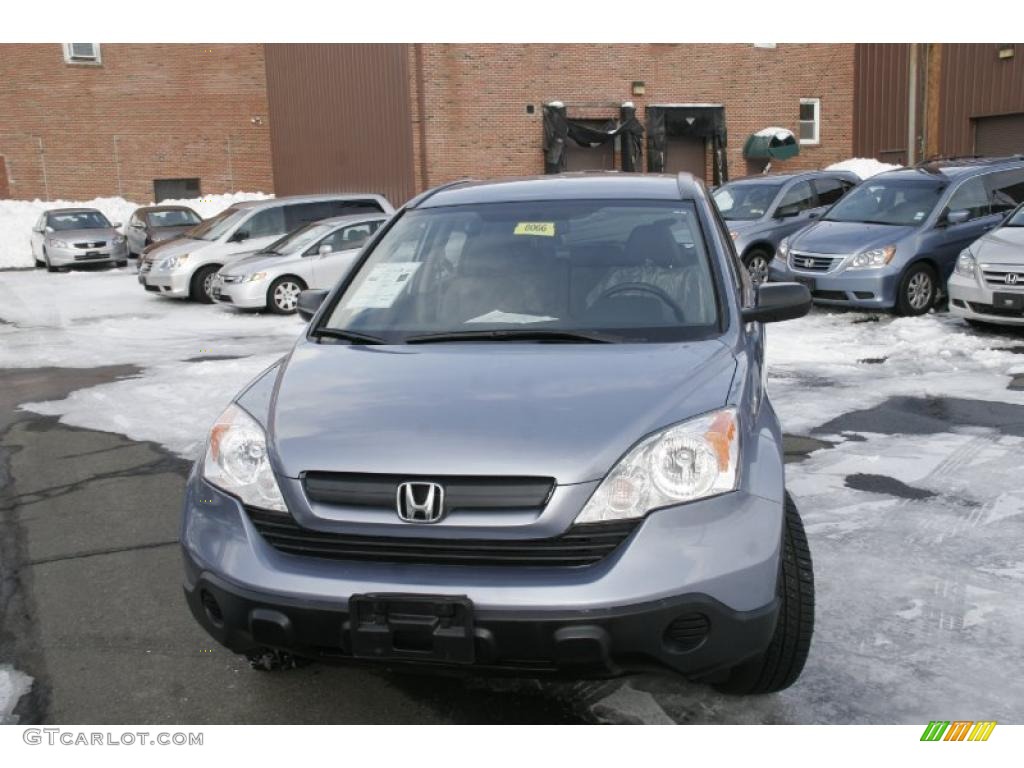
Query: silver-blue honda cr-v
{"points": [[528, 432]]}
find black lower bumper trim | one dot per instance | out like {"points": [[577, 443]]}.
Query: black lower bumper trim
{"points": [[578, 643]]}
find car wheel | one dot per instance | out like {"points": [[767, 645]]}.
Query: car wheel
{"points": [[917, 290], [36, 262], [283, 295], [756, 261], [202, 284], [49, 266], [121, 263], [781, 664]]}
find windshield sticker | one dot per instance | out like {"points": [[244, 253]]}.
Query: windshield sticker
{"points": [[382, 285], [536, 228], [497, 316], [919, 215]]}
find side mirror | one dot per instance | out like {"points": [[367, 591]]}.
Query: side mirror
{"points": [[310, 301], [957, 217], [325, 249], [786, 213], [239, 236], [778, 301], [115, 224], [48, 229]]}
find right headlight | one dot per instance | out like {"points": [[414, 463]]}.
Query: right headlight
{"points": [[172, 262], [873, 259], [685, 462], [59, 243], [966, 264], [236, 461]]}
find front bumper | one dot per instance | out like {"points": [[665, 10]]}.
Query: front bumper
{"points": [[72, 257], [174, 284], [247, 295], [972, 301], [867, 289], [717, 559]]}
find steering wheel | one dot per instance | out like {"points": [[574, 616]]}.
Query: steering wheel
{"points": [[653, 290]]}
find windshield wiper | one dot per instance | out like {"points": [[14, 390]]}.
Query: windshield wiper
{"points": [[354, 336], [511, 334]]}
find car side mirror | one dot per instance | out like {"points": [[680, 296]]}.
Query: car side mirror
{"points": [[957, 217], [48, 229], [115, 224], [310, 301], [786, 213], [778, 301], [325, 249], [239, 236]]}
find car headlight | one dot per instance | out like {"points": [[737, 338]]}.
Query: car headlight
{"points": [[966, 264], [172, 262], [873, 259], [782, 252], [255, 277], [59, 243], [236, 461], [684, 462]]}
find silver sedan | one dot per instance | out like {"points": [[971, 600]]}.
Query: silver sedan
{"points": [[66, 237]]}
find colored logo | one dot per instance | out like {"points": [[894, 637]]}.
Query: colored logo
{"points": [[958, 730]]}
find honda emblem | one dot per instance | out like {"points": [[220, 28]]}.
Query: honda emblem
{"points": [[420, 502], [1011, 278]]}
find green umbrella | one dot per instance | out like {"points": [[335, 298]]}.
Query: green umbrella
{"points": [[771, 144]]}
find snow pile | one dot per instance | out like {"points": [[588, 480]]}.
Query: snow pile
{"points": [[865, 167], [13, 685], [17, 217]]}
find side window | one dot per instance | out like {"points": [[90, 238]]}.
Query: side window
{"points": [[829, 190], [972, 197], [1006, 190], [268, 223], [300, 214], [797, 198], [351, 207]]}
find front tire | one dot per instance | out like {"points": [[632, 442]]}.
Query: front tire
{"points": [[756, 260], [917, 291], [780, 665], [49, 266], [283, 295], [202, 284]]}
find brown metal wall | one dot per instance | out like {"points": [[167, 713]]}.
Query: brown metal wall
{"points": [[340, 119], [880, 101], [976, 83]]}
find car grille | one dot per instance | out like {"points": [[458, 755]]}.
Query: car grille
{"points": [[96, 244], [581, 545], [989, 309], [370, 491], [89, 256], [1004, 277], [812, 262]]}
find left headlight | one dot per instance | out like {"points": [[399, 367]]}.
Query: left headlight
{"points": [[255, 277], [782, 251], [172, 262], [873, 259], [236, 461], [59, 243], [685, 462], [966, 264]]}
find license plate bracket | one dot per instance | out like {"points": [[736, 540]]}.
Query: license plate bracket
{"points": [[400, 627], [1008, 301]]}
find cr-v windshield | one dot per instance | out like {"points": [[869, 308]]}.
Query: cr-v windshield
{"points": [[901, 202], [559, 270], [215, 228], [746, 201], [1016, 219]]}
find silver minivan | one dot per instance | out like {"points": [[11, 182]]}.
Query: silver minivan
{"points": [[184, 268]]}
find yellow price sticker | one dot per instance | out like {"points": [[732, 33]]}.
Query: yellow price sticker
{"points": [[537, 228]]}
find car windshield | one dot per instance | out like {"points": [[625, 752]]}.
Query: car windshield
{"points": [[551, 270], [219, 225], [178, 217], [746, 201], [900, 202], [299, 240], [1016, 219], [77, 220]]}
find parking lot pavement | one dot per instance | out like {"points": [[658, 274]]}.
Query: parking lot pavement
{"points": [[903, 454]]}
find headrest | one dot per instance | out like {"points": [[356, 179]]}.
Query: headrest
{"points": [[652, 243]]}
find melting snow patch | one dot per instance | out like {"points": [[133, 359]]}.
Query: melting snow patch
{"points": [[865, 167], [13, 685]]}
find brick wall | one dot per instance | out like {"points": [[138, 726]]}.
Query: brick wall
{"points": [[475, 122], [78, 131]]}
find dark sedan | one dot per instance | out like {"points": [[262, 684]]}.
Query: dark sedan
{"points": [[156, 223]]}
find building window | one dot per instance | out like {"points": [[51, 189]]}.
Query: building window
{"points": [[810, 121], [82, 53], [175, 189]]}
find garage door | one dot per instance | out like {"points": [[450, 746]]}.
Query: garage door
{"points": [[685, 153], [1002, 135]]}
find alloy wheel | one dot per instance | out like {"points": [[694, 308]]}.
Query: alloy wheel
{"points": [[920, 290], [758, 269]]}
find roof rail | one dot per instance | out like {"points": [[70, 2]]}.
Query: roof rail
{"points": [[422, 197], [944, 161]]}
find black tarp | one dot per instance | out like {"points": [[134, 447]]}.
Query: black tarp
{"points": [[699, 121], [559, 128]]}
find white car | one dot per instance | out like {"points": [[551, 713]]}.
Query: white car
{"points": [[317, 255], [184, 268]]}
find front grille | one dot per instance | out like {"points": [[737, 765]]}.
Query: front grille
{"points": [[989, 309], [153, 288], [829, 295], [811, 262], [581, 545], [96, 244], [89, 256], [996, 276], [370, 491]]}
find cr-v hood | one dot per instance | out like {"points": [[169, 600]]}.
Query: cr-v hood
{"points": [[515, 409], [846, 237]]}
